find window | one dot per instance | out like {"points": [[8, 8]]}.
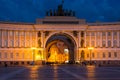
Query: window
{"points": [[11, 55], [114, 33], [5, 55], [23, 55], [17, 54], [98, 54], [82, 34], [93, 55], [5, 43], [17, 43], [109, 43], [103, 43], [109, 34], [98, 43], [109, 54], [22, 33], [92, 34], [115, 43], [115, 54], [11, 33], [87, 55], [103, 33], [103, 55], [87, 33], [87, 43], [22, 43], [5, 33], [0, 55], [0, 43], [27, 34], [92, 43], [11, 43], [16, 33]]}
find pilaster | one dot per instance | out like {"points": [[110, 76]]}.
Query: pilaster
{"points": [[106, 39], [95, 39], [118, 39], [85, 38], [112, 39]]}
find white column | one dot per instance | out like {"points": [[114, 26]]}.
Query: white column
{"points": [[95, 39], [112, 39], [90, 39], [19, 35], [79, 41], [25, 38], [8, 40], [36, 39], [100, 39], [30, 34], [106, 39], [42, 39], [118, 39], [2, 38], [85, 38], [14, 38]]}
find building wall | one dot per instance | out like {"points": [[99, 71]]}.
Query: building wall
{"points": [[16, 41]]}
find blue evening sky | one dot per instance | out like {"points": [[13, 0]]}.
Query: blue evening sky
{"points": [[29, 10]]}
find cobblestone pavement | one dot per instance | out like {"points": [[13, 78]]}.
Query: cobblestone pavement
{"points": [[59, 72]]}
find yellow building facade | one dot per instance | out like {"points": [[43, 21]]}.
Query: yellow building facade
{"points": [[22, 44]]}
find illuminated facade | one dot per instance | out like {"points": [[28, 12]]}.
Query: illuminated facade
{"points": [[17, 40], [22, 44]]}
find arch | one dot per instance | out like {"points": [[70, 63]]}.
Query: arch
{"points": [[73, 43], [70, 35]]}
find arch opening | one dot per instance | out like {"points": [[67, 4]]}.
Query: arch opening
{"points": [[60, 48]]}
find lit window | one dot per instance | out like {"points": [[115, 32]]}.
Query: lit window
{"points": [[93, 55], [87, 55], [109, 54], [11, 33]]}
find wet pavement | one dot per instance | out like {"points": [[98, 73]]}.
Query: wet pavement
{"points": [[60, 72]]}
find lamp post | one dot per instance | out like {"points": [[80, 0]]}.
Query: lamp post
{"points": [[33, 48], [90, 49]]}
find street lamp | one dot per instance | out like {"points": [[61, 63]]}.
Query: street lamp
{"points": [[90, 49], [33, 48]]}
